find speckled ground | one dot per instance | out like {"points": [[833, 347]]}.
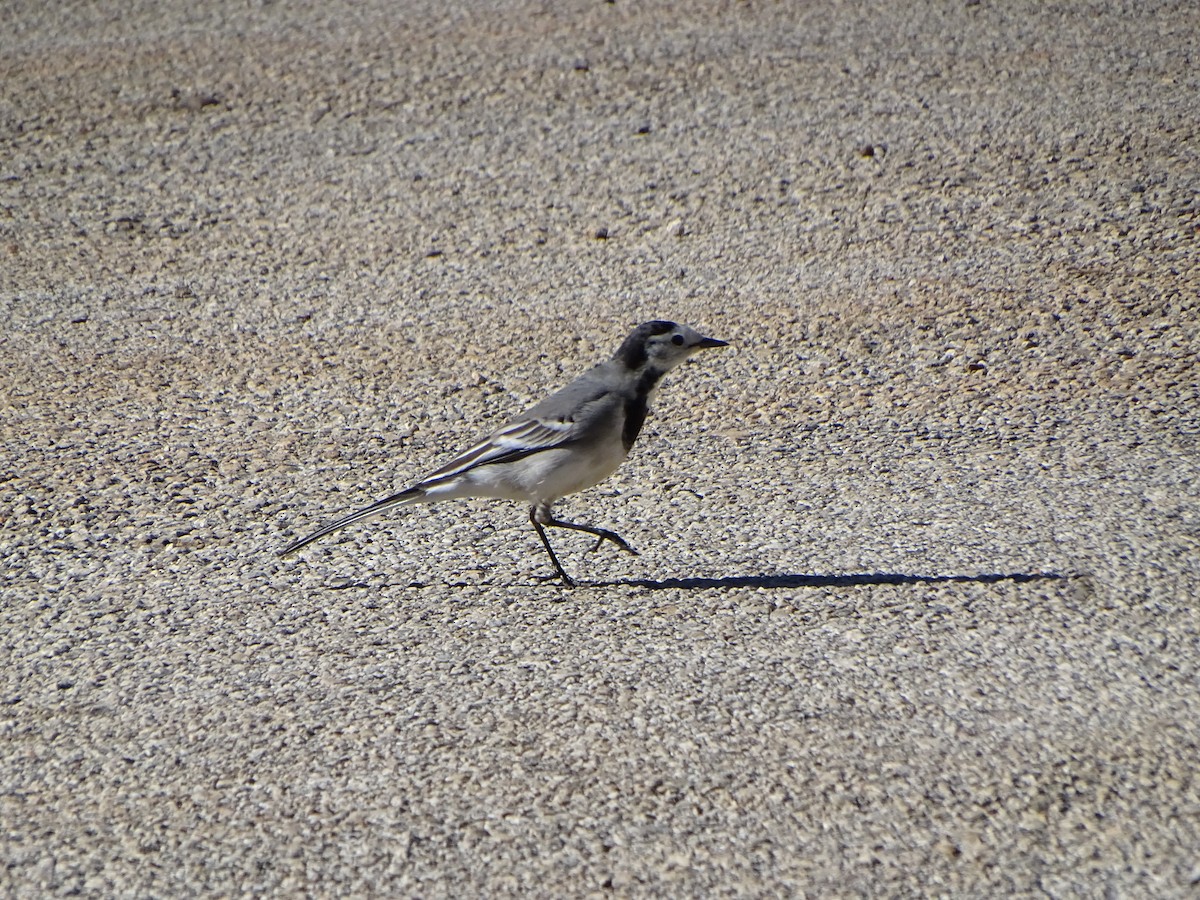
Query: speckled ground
{"points": [[916, 607]]}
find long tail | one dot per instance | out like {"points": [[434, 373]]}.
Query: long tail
{"points": [[412, 495]]}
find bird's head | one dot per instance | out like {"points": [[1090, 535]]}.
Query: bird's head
{"points": [[662, 346]]}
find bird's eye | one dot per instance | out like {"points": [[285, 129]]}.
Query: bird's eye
{"points": [[677, 340]]}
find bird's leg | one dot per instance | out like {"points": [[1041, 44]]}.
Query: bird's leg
{"points": [[602, 534], [542, 512]]}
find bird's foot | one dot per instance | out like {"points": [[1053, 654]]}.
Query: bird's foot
{"points": [[566, 579], [602, 536]]}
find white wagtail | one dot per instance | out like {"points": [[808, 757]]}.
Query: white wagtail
{"points": [[572, 440]]}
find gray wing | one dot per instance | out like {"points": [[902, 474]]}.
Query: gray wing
{"points": [[560, 419]]}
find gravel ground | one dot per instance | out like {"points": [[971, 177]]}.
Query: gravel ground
{"points": [[915, 611]]}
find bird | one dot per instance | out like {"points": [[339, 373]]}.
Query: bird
{"points": [[572, 440]]}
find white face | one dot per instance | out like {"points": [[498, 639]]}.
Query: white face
{"points": [[661, 345], [665, 351]]}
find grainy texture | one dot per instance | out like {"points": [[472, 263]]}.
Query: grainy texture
{"points": [[916, 610]]}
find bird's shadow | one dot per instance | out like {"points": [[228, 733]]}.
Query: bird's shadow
{"points": [[759, 581], [820, 581]]}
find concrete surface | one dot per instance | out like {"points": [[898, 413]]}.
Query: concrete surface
{"points": [[916, 607]]}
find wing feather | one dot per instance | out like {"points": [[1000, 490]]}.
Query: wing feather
{"points": [[516, 440], [560, 419]]}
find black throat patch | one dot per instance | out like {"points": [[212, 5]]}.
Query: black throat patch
{"points": [[637, 406]]}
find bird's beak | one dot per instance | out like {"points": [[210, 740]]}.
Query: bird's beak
{"points": [[710, 342]]}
